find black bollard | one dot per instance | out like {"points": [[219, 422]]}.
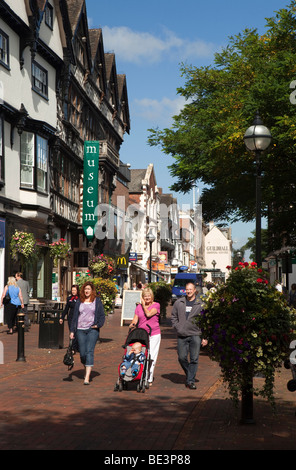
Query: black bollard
{"points": [[21, 338]]}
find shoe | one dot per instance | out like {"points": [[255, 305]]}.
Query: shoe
{"points": [[191, 386], [86, 383]]}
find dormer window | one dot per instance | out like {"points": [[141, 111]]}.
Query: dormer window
{"points": [[49, 16], [80, 50]]}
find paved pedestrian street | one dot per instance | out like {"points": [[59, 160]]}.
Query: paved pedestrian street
{"points": [[44, 407]]}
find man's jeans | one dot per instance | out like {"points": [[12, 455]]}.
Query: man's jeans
{"points": [[189, 345], [87, 341]]}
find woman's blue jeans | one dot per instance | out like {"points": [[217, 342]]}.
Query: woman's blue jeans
{"points": [[87, 341], [189, 346]]}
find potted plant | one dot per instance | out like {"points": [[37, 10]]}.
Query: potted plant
{"points": [[249, 328], [23, 245], [59, 250]]}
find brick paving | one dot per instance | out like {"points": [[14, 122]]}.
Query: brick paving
{"points": [[46, 408]]}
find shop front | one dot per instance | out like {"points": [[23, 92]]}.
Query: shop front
{"points": [[36, 269]]}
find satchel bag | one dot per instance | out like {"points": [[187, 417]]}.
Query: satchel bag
{"points": [[6, 299], [68, 357]]}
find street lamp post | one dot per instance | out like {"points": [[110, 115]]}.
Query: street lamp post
{"points": [[150, 238], [257, 139], [214, 270]]}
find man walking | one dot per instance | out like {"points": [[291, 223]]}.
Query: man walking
{"points": [[25, 290], [184, 313]]}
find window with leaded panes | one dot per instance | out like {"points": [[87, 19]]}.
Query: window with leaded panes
{"points": [[4, 49], [39, 79]]}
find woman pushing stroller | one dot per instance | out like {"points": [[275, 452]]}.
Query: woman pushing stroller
{"points": [[146, 316]]}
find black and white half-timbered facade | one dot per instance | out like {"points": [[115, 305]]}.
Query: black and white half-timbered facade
{"points": [[58, 89]]}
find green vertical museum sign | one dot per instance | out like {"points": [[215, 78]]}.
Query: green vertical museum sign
{"points": [[90, 187]]}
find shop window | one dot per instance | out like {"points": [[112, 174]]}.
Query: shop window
{"points": [[81, 259]]}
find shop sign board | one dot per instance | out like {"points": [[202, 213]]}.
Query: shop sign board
{"points": [[90, 187]]}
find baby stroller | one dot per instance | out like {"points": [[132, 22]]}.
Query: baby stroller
{"points": [[288, 364], [136, 335]]}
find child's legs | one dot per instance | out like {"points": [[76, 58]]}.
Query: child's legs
{"points": [[124, 366]]}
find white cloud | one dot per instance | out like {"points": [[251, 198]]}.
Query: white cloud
{"points": [[158, 112], [141, 47]]}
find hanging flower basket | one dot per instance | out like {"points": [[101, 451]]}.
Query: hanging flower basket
{"points": [[102, 266], [23, 245], [249, 328], [59, 250]]}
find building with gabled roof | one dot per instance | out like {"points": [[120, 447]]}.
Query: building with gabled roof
{"points": [[58, 92], [145, 217]]}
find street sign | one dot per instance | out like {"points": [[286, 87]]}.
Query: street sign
{"points": [[122, 262], [133, 257], [90, 187]]}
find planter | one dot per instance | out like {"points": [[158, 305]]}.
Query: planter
{"points": [[102, 266], [23, 246], [249, 328], [60, 250]]}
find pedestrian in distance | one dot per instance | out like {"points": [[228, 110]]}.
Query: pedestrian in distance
{"points": [[25, 290], [292, 296], [69, 311], [16, 301], [146, 316], [88, 318], [184, 312]]}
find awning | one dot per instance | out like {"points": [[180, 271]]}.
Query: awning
{"points": [[140, 266]]}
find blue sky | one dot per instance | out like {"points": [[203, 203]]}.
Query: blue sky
{"points": [[150, 41]]}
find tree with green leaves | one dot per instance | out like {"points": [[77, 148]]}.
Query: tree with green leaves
{"points": [[251, 244], [253, 72]]}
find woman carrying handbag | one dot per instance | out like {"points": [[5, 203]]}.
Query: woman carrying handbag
{"points": [[16, 301]]}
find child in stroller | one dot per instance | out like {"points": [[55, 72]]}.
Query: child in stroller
{"points": [[136, 361], [133, 360]]}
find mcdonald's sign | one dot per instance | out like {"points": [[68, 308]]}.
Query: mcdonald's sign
{"points": [[122, 261]]}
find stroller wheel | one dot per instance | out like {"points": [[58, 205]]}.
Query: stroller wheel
{"points": [[116, 388], [291, 385], [120, 387]]}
